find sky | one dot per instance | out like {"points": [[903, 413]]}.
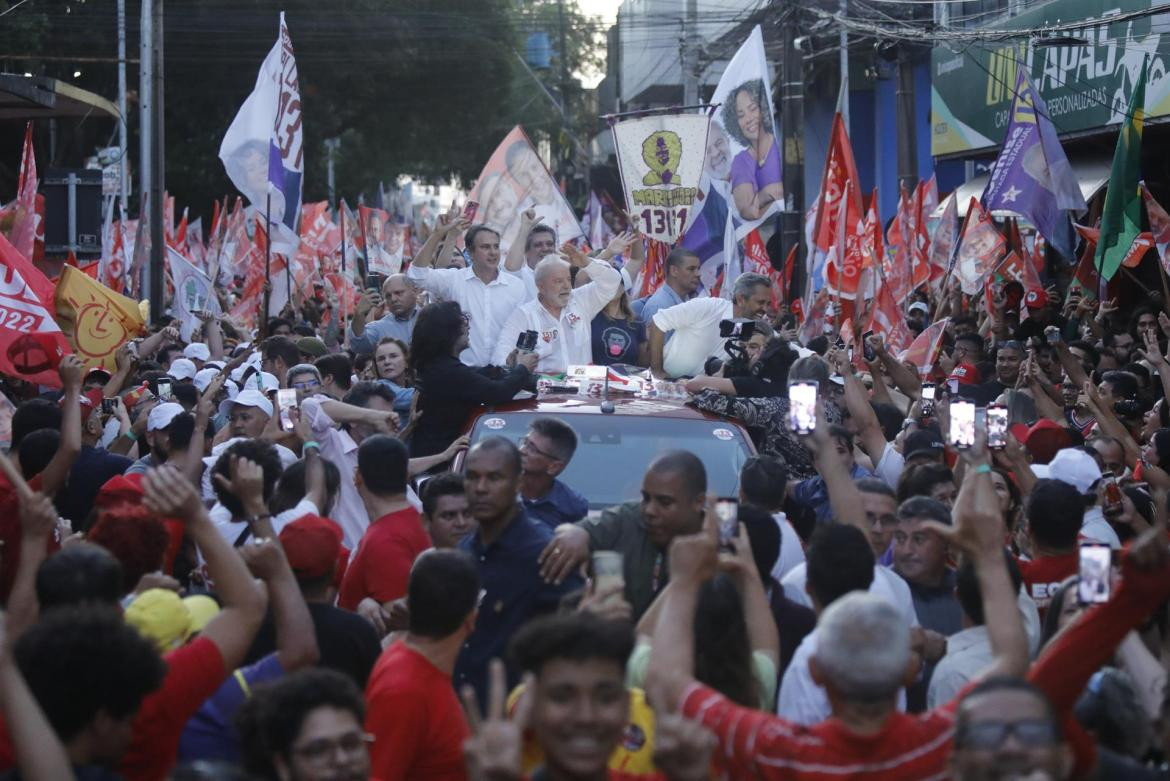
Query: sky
{"points": [[607, 10]]}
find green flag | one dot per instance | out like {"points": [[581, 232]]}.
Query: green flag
{"points": [[1121, 220]]}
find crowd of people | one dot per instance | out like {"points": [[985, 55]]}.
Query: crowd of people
{"points": [[204, 578]]}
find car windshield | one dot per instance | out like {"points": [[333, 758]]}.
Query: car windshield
{"points": [[614, 450]]}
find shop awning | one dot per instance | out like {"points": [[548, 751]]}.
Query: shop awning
{"points": [[37, 97], [1091, 173]]}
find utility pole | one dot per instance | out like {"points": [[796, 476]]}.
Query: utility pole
{"points": [[792, 134], [123, 169], [689, 55], [904, 104], [157, 187], [331, 147], [843, 42], [145, 128]]}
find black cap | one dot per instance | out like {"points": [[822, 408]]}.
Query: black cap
{"points": [[923, 443]]}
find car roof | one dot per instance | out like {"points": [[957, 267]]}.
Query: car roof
{"points": [[624, 404]]}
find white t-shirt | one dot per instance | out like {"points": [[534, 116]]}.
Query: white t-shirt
{"points": [[567, 340], [695, 328], [231, 530], [791, 549], [801, 700], [889, 467], [487, 306], [886, 584], [1095, 528]]}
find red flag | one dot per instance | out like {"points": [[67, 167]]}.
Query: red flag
{"points": [[843, 271], [1091, 235], [920, 240], [980, 248], [25, 222], [1086, 276], [1159, 226], [813, 324], [942, 243], [839, 169], [755, 259], [31, 343], [113, 262], [923, 351], [929, 198], [654, 269], [1142, 243], [887, 319]]}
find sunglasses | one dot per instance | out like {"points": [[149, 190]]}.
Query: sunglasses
{"points": [[988, 735]]}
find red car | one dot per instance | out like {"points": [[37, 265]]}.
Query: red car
{"points": [[613, 449]]}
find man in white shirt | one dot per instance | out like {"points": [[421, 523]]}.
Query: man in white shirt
{"points": [[486, 296], [539, 241], [561, 316], [695, 325]]}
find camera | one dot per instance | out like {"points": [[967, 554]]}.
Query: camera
{"points": [[739, 330], [526, 341]]}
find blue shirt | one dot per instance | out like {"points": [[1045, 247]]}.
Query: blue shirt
{"points": [[664, 298], [211, 734], [560, 505], [513, 594], [388, 327], [402, 400], [814, 493]]}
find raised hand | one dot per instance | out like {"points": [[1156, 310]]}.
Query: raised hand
{"points": [[493, 752], [246, 482], [682, 748], [70, 369]]}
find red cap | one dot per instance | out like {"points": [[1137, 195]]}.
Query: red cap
{"points": [[312, 545], [90, 400], [966, 374], [1043, 439], [118, 489], [1036, 299]]}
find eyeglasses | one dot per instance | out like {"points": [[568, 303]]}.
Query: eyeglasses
{"points": [[526, 444], [987, 735], [306, 385], [318, 752]]}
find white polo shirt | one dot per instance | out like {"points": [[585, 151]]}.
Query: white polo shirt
{"points": [[567, 340], [695, 325], [487, 305]]}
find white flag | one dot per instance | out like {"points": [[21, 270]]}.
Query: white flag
{"points": [[194, 292], [263, 150]]}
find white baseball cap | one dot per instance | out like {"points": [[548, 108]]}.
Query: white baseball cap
{"points": [[248, 398], [182, 369], [1075, 467], [920, 306], [163, 415], [197, 351], [203, 378]]}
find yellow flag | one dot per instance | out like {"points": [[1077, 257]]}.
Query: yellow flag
{"points": [[96, 319]]}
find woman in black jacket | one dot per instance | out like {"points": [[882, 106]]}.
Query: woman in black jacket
{"points": [[448, 390]]}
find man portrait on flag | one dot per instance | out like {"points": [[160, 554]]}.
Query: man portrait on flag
{"points": [[755, 171], [705, 237]]}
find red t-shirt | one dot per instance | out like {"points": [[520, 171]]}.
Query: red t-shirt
{"points": [[1043, 576], [10, 534], [415, 718], [381, 567], [761, 745], [194, 673]]}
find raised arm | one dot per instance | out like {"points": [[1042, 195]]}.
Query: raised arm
{"points": [[656, 339], [40, 755], [763, 635], [515, 258], [124, 364], [170, 494], [296, 637], [38, 518], [904, 378], [214, 335], [873, 439], [58, 468], [844, 498]]}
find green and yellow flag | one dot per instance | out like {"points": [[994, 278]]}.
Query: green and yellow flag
{"points": [[1121, 220]]}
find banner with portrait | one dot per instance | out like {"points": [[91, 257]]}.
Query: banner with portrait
{"points": [[515, 180], [382, 238], [661, 161], [745, 163]]}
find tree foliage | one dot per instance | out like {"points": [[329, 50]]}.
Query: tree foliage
{"points": [[420, 87]]}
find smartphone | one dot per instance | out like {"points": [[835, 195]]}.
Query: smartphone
{"points": [[108, 406], [953, 387], [727, 514], [1052, 334], [1094, 572], [997, 426], [374, 282], [469, 210], [1112, 496], [526, 341], [286, 399], [164, 390], [962, 424], [928, 390], [867, 351], [802, 407]]}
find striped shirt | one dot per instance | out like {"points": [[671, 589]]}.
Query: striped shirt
{"points": [[753, 744]]}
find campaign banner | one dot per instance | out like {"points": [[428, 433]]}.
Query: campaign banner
{"points": [[96, 320], [383, 237], [515, 180], [751, 174], [263, 149], [661, 162], [194, 293]]}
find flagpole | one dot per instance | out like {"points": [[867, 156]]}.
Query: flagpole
{"points": [[341, 295], [267, 261]]}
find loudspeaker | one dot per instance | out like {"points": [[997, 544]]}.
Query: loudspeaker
{"points": [[87, 210]]}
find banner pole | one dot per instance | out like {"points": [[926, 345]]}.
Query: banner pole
{"points": [[267, 262], [343, 293]]}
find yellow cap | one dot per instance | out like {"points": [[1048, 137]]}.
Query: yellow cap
{"points": [[160, 616]]}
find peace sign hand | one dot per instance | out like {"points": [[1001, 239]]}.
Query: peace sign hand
{"points": [[493, 751]]}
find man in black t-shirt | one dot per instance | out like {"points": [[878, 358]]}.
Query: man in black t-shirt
{"points": [[348, 642]]}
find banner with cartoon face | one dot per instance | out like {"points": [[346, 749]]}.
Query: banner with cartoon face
{"points": [[661, 161]]}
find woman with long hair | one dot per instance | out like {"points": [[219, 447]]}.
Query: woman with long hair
{"points": [[391, 365], [448, 391]]}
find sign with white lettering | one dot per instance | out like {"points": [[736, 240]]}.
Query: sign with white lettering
{"points": [[1085, 87]]}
